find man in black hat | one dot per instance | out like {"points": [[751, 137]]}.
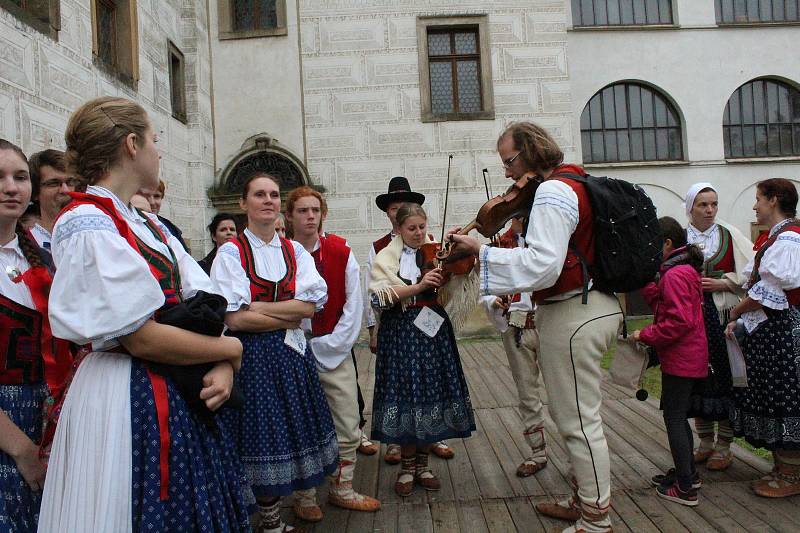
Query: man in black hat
{"points": [[399, 193]]}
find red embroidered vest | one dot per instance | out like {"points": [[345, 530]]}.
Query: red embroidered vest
{"points": [[264, 290], [792, 295], [382, 243], [722, 261], [331, 261], [582, 241]]}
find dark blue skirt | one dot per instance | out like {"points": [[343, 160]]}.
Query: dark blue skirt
{"points": [[421, 395], [712, 397], [767, 411], [284, 434], [205, 476], [19, 505]]}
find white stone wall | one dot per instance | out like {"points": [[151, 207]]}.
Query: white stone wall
{"points": [[698, 66], [362, 105], [42, 81]]}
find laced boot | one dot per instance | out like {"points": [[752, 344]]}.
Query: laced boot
{"points": [[342, 494], [424, 477], [271, 522]]}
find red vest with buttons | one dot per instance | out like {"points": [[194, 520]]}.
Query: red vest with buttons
{"points": [[581, 240], [331, 261], [264, 290]]}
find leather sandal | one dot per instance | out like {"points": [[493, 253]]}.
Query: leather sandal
{"points": [[529, 468], [701, 456], [719, 461], [366, 446], [786, 483], [392, 455], [428, 481], [307, 513], [404, 485], [561, 511], [442, 450]]}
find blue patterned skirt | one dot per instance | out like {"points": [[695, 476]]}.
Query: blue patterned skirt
{"points": [[205, 476], [712, 397], [19, 505], [284, 434], [767, 411], [421, 395]]}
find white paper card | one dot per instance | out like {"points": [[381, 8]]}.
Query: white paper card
{"points": [[296, 340], [428, 322]]}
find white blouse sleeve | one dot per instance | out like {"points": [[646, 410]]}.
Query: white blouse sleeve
{"points": [[371, 320], [779, 271], [553, 219], [103, 289], [229, 278], [193, 278], [308, 284]]}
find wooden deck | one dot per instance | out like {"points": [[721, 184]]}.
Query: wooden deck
{"points": [[480, 492]]}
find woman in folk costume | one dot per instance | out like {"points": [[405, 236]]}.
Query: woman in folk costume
{"points": [[421, 396], [128, 455], [767, 411], [32, 365], [726, 251], [284, 433]]}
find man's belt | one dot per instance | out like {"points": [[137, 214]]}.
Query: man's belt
{"points": [[522, 319]]}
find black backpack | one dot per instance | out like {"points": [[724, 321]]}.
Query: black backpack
{"points": [[627, 235]]}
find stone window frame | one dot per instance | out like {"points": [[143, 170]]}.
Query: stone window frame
{"points": [[226, 30], [126, 67], [43, 15], [481, 22], [177, 81]]}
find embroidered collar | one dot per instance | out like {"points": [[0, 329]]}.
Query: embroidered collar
{"points": [[41, 229], [257, 242], [409, 250], [707, 234], [777, 227]]}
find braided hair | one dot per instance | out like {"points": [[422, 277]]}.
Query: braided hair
{"points": [[29, 246]]}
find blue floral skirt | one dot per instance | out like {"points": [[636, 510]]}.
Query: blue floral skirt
{"points": [[284, 434], [205, 476], [712, 397], [421, 395], [767, 411], [19, 505]]}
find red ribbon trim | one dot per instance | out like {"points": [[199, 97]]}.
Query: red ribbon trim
{"points": [[162, 413]]}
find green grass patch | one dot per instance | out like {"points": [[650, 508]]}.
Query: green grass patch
{"points": [[652, 382]]}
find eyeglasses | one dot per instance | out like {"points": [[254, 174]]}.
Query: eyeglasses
{"points": [[508, 162], [52, 184]]}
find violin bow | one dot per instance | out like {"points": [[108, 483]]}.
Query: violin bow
{"points": [[489, 196], [446, 195]]}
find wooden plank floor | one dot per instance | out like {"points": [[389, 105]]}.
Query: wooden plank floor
{"points": [[480, 492]]}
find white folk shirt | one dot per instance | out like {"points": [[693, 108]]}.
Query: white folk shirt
{"points": [[371, 320], [232, 282], [707, 240], [498, 317], [331, 349], [42, 236], [779, 270], [11, 256], [553, 219], [103, 288]]}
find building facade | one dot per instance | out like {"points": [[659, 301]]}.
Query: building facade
{"points": [[345, 94]]}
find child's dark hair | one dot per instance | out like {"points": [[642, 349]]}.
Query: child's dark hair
{"points": [[672, 230]]}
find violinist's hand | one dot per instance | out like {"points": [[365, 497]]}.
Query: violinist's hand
{"points": [[432, 279], [465, 243], [451, 232]]}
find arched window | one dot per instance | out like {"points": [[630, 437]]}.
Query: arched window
{"points": [[630, 122], [762, 119]]}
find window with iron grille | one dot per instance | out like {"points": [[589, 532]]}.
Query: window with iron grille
{"points": [[630, 122], [757, 11], [762, 119], [455, 73], [621, 12]]}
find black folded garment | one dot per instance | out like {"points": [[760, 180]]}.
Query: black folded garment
{"points": [[203, 313]]}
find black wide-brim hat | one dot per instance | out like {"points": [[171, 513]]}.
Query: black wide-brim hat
{"points": [[399, 191]]}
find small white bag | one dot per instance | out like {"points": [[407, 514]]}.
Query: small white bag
{"points": [[736, 360], [629, 363]]}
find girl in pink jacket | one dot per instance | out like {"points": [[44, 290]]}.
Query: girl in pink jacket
{"points": [[679, 336]]}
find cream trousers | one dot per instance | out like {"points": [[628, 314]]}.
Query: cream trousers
{"points": [[523, 361], [572, 340], [341, 390]]}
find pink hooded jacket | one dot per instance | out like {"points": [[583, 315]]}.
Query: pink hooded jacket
{"points": [[678, 332]]}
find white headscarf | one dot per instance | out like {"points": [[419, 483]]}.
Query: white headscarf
{"points": [[691, 194]]}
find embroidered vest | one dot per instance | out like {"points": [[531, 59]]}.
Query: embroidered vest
{"points": [[20, 344], [382, 243], [792, 295], [331, 261], [264, 290], [722, 261], [580, 242]]}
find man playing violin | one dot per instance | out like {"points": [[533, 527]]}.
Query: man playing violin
{"points": [[513, 316], [573, 335]]}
